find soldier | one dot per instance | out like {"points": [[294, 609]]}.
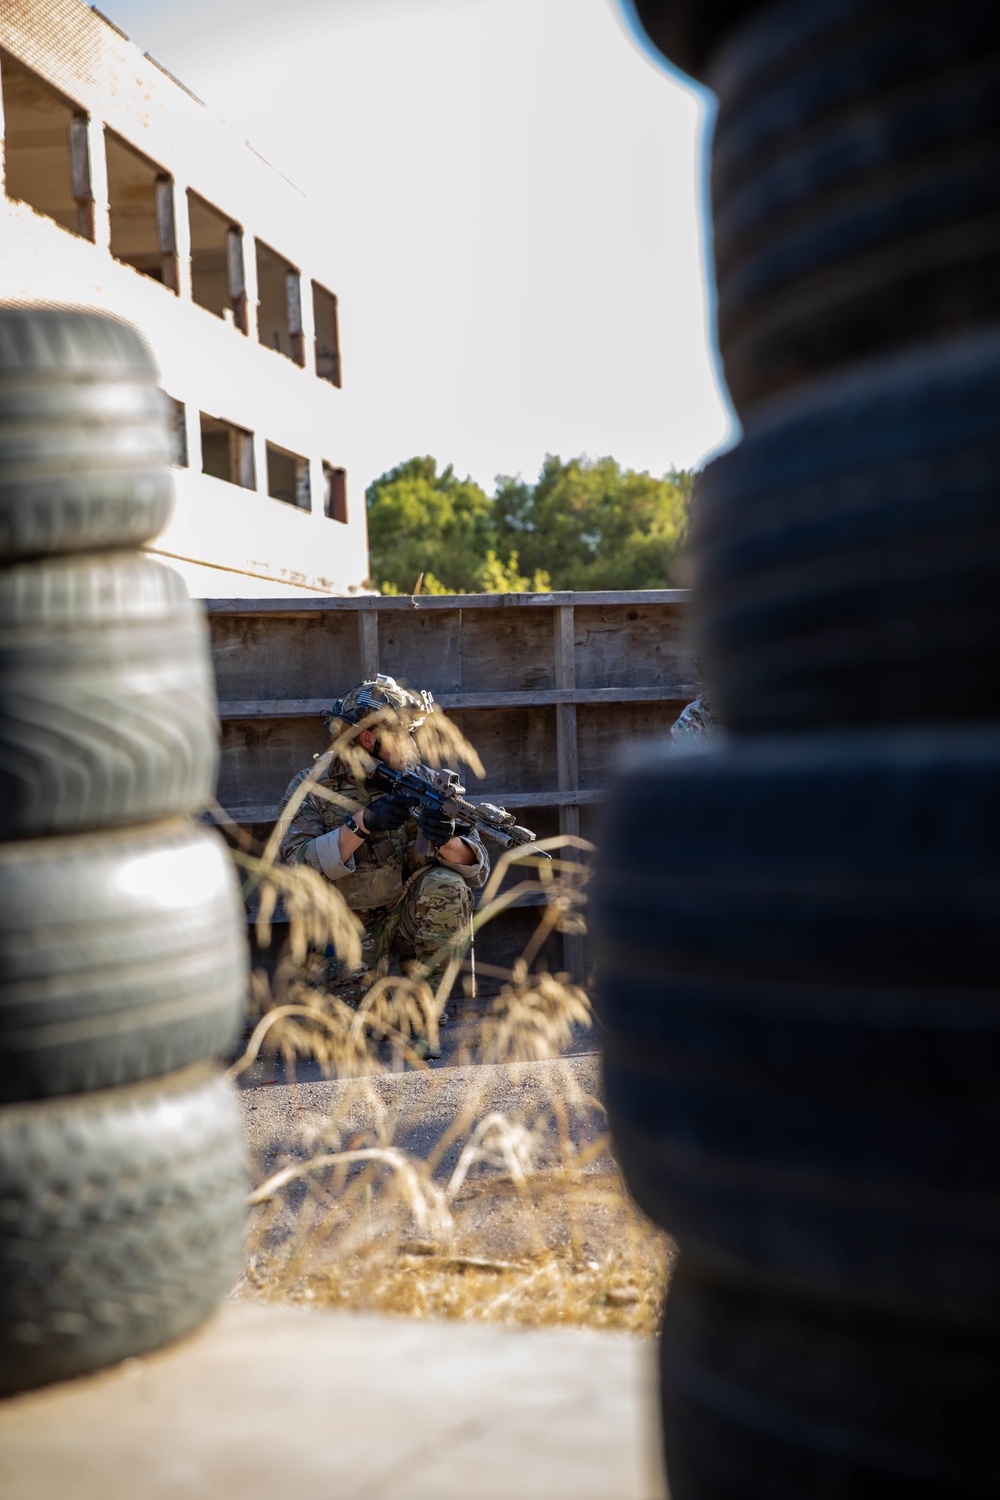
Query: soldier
{"points": [[695, 727], [413, 906]]}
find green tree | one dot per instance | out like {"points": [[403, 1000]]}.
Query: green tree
{"points": [[593, 525], [420, 521], [496, 577], [586, 524]]}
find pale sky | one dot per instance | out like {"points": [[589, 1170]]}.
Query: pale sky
{"points": [[514, 195]]}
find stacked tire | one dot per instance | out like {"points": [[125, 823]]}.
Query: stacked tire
{"points": [[122, 962], [800, 982]]}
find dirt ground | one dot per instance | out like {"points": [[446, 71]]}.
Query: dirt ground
{"points": [[485, 1192]]}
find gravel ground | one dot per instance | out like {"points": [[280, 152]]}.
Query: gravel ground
{"points": [[415, 1111]]}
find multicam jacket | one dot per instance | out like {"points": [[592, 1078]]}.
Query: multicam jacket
{"points": [[376, 873], [694, 726]]}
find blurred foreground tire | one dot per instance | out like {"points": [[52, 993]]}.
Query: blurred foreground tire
{"points": [[782, 1399], [688, 32], [107, 707], [847, 554], [122, 956], [801, 1006], [121, 1222], [84, 435], [855, 191]]}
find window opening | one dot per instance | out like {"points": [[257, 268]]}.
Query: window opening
{"points": [[279, 308], [45, 145], [327, 334], [178, 434], [227, 452], [217, 262], [288, 477], [141, 198], [334, 493]]}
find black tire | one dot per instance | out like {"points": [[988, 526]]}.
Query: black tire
{"points": [[688, 32], [122, 956], [857, 205], [801, 1008], [847, 554], [84, 435], [121, 1222], [780, 1400], [107, 707]]}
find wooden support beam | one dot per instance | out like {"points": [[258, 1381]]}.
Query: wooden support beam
{"points": [[584, 797], [368, 642], [308, 708], [564, 641], [325, 604], [567, 757]]}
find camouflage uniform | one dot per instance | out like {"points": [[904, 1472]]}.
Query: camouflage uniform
{"points": [[694, 726], [411, 906]]}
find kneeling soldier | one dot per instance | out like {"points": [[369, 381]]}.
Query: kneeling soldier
{"points": [[411, 905]]}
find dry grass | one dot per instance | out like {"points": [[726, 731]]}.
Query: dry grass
{"points": [[500, 1202], [511, 1214], [418, 1278]]}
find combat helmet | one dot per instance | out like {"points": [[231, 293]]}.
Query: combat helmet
{"points": [[380, 692]]}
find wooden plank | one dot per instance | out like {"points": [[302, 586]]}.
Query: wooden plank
{"points": [[422, 650], [567, 758], [603, 734], [423, 602], [509, 651], [307, 708], [258, 758], [267, 812], [513, 800], [368, 643], [633, 646], [565, 679], [672, 692], [304, 656], [276, 708], [517, 747]]}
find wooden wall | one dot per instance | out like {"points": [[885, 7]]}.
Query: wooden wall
{"points": [[548, 687]]}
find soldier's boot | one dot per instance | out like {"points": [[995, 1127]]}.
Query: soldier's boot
{"points": [[351, 985]]}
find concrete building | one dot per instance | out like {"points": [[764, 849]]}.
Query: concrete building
{"points": [[122, 191]]}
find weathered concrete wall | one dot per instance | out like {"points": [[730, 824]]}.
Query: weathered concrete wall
{"points": [[206, 363]]}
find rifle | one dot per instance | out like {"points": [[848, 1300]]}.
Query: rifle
{"points": [[443, 791]]}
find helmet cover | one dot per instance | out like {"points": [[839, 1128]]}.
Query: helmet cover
{"points": [[381, 692]]}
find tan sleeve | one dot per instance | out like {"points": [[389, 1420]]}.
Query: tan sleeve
{"points": [[323, 854]]}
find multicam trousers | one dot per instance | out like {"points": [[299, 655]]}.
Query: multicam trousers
{"points": [[435, 907]]}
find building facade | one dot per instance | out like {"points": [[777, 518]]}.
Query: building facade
{"points": [[122, 192]]}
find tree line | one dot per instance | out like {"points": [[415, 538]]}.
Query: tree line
{"points": [[585, 524]]}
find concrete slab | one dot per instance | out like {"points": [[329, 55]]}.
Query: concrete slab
{"points": [[275, 1402]]}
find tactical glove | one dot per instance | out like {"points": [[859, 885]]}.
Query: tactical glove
{"points": [[437, 828], [387, 813]]}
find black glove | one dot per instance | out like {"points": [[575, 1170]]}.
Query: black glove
{"points": [[438, 828], [387, 813]]}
